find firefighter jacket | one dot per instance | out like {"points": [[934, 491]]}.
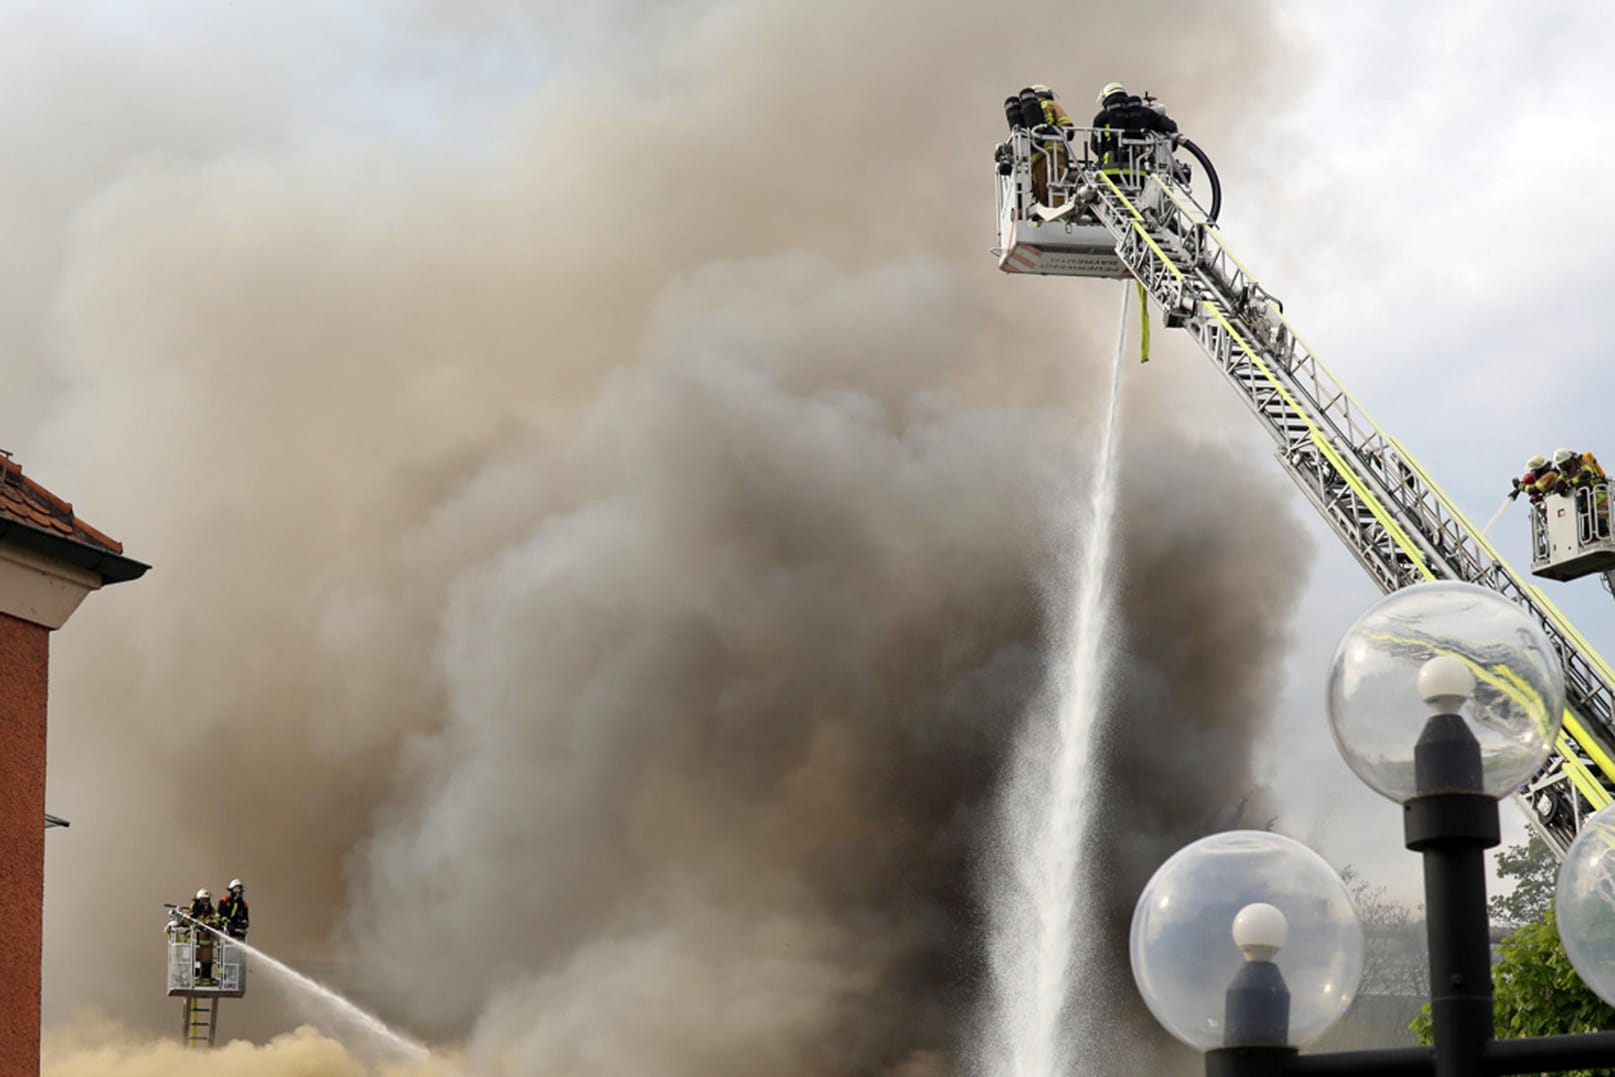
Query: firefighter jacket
{"points": [[1585, 471], [233, 913], [1128, 114], [1549, 480]]}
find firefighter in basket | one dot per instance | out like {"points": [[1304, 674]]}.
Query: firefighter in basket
{"points": [[204, 916]]}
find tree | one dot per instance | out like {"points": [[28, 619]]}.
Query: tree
{"points": [[1536, 991], [1534, 869], [1395, 961]]}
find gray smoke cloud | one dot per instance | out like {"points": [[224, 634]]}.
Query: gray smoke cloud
{"points": [[600, 507]]}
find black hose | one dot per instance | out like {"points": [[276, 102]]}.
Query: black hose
{"points": [[1211, 173]]}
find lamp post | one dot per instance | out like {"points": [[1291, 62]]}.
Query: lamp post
{"points": [[1493, 701]]}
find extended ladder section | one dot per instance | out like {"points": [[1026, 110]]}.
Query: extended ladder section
{"points": [[201, 1016], [1387, 510]]}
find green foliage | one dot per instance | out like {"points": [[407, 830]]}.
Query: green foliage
{"points": [[1534, 870], [1537, 992]]}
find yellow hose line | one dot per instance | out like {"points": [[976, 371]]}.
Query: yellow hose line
{"points": [[1143, 323]]}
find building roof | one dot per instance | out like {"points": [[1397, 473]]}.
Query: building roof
{"points": [[33, 517]]}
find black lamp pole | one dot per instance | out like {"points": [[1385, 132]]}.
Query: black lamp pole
{"points": [[1450, 822]]}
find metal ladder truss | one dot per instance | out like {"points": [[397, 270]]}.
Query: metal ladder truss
{"points": [[1385, 507], [201, 1017]]}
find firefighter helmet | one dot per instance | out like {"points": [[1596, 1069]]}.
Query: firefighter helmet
{"points": [[1535, 462], [235, 884], [203, 895], [1110, 88], [1561, 457]]}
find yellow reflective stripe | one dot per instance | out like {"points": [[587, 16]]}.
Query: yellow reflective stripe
{"points": [[1586, 649], [1574, 736], [1577, 733], [1138, 226], [1117, 191], [1339, 388], [1441, 495], [1573, 727], [1507, 682], [1216, 234], [1588, 743], [1571, 735], [1392, 528], [1159, 253], [1584, 782], [1187, 207]]}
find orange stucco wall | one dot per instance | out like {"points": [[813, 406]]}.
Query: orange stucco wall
{"points": [[24, 662]]}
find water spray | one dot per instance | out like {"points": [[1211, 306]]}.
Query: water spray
{"points": [[1042, 913], [201, 1000], [1496, 516]]}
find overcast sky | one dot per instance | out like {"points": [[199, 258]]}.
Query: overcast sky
{"points": [[1428, 211]]}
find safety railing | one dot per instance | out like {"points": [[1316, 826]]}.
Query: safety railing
{"points": [[1044, 161], [1592, 514], [200, 962]]}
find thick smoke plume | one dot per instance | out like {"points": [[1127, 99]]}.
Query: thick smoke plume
{"points": [[600, 493]]}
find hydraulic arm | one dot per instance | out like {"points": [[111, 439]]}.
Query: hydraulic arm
{"points": [[1387, 510]]}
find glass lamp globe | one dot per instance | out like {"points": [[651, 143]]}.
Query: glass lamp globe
{"points": [[1444, 648], [1245, 895], [1585, 902]]}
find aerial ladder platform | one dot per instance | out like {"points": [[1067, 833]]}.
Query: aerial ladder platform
{"points": [[1133, 216]]}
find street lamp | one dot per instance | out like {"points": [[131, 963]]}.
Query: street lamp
{"points": [[1253, 912], [1584, 902], [1250, 957]]}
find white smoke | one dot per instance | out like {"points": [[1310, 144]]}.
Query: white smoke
{"points": [[598, 504]]}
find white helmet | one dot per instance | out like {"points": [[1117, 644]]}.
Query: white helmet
{"points": [[1561, 457], [235, 884], [203, 895]]}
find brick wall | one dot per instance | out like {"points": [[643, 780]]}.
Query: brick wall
{"points": [[24, 663]]}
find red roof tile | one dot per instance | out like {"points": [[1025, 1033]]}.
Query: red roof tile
{"points": [[24, 501]]}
